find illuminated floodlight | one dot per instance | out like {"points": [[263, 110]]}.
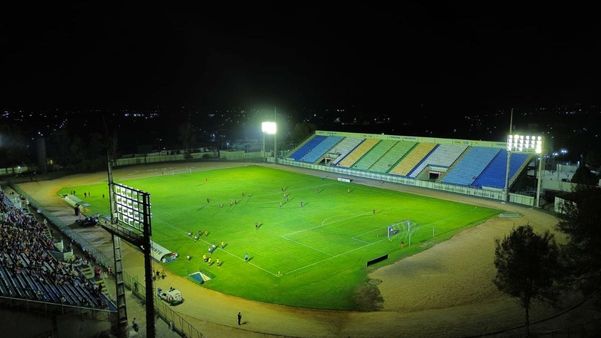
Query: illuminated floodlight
{"points": [[525, 143], [269, 128], [131, 207]]}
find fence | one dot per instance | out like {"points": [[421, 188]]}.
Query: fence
{"points": [[46, 308], [521, 199], [175, 321], [179, 324], [13, 170], [239, 155], [156, 158], [491, 194]]}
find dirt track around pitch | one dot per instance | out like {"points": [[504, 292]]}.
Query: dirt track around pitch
{"points": [[446, 290]]}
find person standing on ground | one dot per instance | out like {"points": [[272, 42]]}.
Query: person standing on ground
{"points": [[134, 325], [239, 317]]}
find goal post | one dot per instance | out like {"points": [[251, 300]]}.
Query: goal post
{"points": [[405, 227], [392, 230]]}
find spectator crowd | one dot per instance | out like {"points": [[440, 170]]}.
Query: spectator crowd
{"points": [[29, 270]]}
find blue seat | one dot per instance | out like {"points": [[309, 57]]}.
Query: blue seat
{"points": [[467, 170], [494, 174], [302, 151], [319, 150]]}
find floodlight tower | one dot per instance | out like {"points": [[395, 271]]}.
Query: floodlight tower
{"points": [[541, 158], [530, 145], [121, 327], [270, 128], [275, 143], [130, 220], [506, 190]]}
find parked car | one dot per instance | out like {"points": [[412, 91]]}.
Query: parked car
{"points": [[87, 221], [172, 297]]}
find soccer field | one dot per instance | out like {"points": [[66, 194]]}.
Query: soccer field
{"points": [[312, 255]]}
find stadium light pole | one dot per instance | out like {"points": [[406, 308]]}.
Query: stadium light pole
{"points": [[263, 148], [121, 327], [539, 152], [509, 146], [269, 128], [275, 143], [528, 145]]}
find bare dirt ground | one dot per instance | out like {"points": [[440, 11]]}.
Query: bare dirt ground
{"points": [[445, 291]]}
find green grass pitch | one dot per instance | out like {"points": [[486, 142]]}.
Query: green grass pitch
{"points": [[310, 256]]}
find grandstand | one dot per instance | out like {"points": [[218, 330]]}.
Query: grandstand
{"points": [[416, 155], [30, 271], [392, 157], [444, 156], [359, 152], [494, 174], [306, 147], [343, 148], [319, 150], [374, 155], [471, 166], [464, 166]]}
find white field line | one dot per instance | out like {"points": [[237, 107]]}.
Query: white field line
{"points": [[338, 255], [372, 243], [359, 240], [292, 190], [305, 245], [324, 225]]}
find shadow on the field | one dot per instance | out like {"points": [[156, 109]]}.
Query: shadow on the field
{"points": [[367, 296]]}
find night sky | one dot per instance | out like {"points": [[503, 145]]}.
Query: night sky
{"points": [[453, 56]]}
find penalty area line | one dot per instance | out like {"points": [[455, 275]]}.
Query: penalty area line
{"points": [[305, 245], [325, 225], [331, 257]]}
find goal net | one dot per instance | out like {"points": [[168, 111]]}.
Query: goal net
{"points": [[405, 228]]}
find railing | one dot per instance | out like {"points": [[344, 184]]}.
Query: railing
{"points": [[491, 194], [175, 321], [46, 307], [521, 199]]}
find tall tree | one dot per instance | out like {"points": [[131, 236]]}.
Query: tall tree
{"points": [[527, 267], [187, 136], [582, 224], [583, 175], [13, 147]]}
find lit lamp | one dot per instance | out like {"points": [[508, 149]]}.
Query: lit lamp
{"points": [[269, 128]]}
